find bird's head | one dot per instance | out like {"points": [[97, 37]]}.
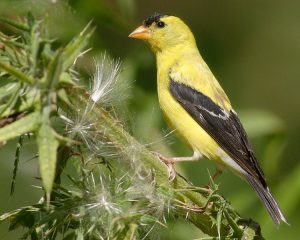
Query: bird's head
{"points": [[163, 31]]}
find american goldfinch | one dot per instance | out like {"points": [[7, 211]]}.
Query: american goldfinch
{"points": [[196, 106]]}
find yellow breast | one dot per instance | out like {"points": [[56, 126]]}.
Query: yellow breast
{"points": [[185, 126], [191, 69]]}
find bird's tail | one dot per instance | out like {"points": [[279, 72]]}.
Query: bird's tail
{"points": [[268, 200]]}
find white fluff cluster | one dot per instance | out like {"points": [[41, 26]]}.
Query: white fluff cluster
{"points": [[128, 195], [111, 202], [105, 80]]}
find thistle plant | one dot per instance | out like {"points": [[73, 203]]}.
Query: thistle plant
{"points": [[118, 189]]}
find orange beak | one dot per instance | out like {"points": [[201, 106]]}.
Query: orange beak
{"points": [[141, 32]]}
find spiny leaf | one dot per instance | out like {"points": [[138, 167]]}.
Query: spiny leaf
{"points": [[47, 149], [54, 72], [7, 87], [73, 49], [16, 73], [11, 102], [15, 24], [24, 125], [63, 96]]}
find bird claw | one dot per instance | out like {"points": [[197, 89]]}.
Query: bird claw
{"points": [[169, 163], [172, 171]]}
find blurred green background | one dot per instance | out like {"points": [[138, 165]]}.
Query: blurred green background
{"points": [[252, 47]]}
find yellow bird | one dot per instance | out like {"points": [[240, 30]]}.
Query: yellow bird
{"points": [[196, 106]]}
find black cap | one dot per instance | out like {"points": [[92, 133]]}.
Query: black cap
{"points": [[153, 18]]}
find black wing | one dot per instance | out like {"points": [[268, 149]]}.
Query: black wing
{"points": [[225, 128]]}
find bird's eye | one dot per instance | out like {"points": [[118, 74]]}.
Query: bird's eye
{"points": [[160, 24]]}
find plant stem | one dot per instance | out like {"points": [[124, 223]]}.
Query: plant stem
{"points": [[205, 219]]}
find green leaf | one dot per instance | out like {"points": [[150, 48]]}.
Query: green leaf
{"points": [[63, 96], [47, 149], [54, 71], [12, 23], [7, 87], [24, 125], [65, 78], [14, 96], [16, 73], [74, 48]]}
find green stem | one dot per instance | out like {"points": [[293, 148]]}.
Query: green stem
{"points": [[124, 142]]}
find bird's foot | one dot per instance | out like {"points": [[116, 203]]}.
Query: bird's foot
{"points": [[213, 178], [169, 163], [217, 174]]}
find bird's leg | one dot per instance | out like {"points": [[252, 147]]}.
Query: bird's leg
{"points": [[213, 178], [170, 162], [217, 174], [196, 156]]}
